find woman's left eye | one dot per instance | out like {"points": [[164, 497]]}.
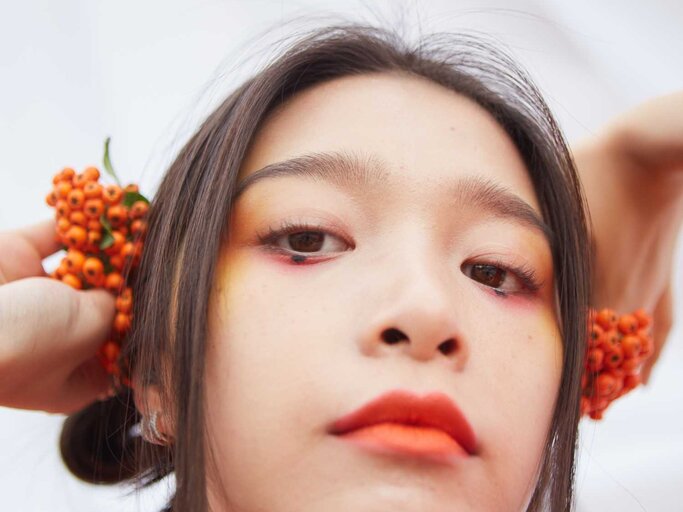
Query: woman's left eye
{"points": [[496, 273], [304, 239]]}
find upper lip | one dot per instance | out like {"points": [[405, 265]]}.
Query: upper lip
{"points": [[434, 410]]}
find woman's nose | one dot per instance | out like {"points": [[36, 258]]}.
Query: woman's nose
{"points": [[419, 317]]}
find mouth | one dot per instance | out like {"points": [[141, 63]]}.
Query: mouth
{"points": [[402, 423]]}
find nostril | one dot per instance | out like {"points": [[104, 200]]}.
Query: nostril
{"points": [[392, 336], [447, 347]]}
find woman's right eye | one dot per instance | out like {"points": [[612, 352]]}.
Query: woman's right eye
{"points": [[303, 239]]}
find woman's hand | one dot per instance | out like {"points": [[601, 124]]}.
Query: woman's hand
{"points": [[632, 174], [49, 332]]}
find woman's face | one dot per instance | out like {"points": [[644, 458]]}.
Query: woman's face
{"points": [[293, 345]]}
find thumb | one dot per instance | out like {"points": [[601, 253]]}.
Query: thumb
{"points": [[91, 321]]}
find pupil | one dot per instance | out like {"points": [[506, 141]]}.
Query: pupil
{"points": [[489, 273], [309, 240]]}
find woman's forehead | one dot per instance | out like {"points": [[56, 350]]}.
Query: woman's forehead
{"points": [[417, 134]]}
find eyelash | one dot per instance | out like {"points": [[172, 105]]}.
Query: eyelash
{"points": [[524, 273]]}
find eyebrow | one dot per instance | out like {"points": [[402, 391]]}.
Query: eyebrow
{"points": [[353, 173]]}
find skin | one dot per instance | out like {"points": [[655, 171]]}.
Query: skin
{"points": [[304, 340]]}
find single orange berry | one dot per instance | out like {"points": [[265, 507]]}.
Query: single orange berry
{"points": [[63, 224], [114, 282], [116, 261], [63, 188], [613, 358], [94, 225], [91, 173], [117, 215], [80, 180], [65, 174], [642, 317], [138, 227], [609, 340], [138, 209], [94, 208], [607, 318], [124, 302], [62, 269], [618, 381], [62, 207], [74, 260], [68, 173], [627, 324], [595, 335], [78, 218], [92, 190], [605, 384], [76, 198], [132, 251], [596, 414], [112, 194], [631, 345], [51, 198], [77, 236], [110, 350], [131, 187], [595, 359], [94, 238], [631, 381], [72, 281], [93, 270], [122, 322]]}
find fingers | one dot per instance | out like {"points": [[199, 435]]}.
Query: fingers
{"points": [[662, 320], [23, 249], [41, 236]]}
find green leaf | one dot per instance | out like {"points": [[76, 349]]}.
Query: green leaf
{"points": [[108, 238], [130, 197], [107, 162], [105, 224], [108, 267]]}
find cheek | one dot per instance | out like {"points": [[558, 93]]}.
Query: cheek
{"points": [[261, 366], [521, 371]]}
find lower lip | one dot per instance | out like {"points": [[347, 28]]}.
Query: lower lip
{"points": [[396, 438]]}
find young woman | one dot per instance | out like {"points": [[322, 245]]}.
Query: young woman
{"points": [[361, 223]]}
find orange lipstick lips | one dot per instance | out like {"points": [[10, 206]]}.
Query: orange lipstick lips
{"points": [[407, 440], [401, 422]]}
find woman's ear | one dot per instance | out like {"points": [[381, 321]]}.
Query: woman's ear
{"points": [[148, 400]]}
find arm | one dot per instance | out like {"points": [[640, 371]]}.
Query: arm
{"points": [[632, 173]]}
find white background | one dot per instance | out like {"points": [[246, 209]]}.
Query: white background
{"points": [[74, 72]]}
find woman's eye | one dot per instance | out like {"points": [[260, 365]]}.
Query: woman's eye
{"points": [[497, 276], [305, 240]]}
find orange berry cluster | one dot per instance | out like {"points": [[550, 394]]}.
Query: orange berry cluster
{"points": [[102, 229], [617, 347]]}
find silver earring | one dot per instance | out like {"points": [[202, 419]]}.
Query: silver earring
{"points": [[150, 432]]}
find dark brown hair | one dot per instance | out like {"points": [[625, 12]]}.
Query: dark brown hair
{"points": [[188, 227]]}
